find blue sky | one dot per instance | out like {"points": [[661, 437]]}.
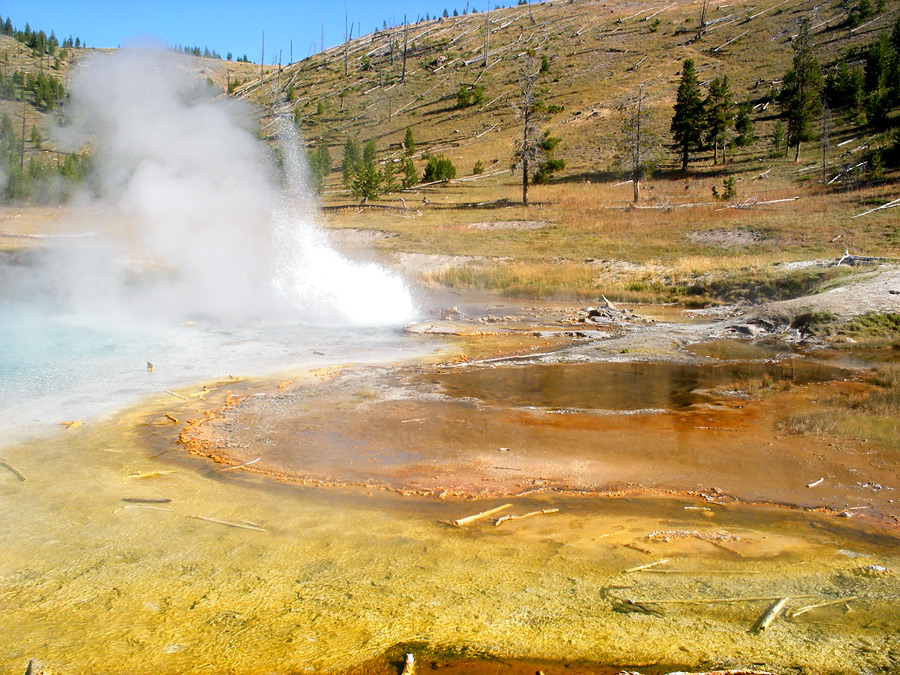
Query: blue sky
{"points": [[224, 25]]}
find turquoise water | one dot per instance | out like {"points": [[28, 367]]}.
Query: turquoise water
{"points": [[56, 368]]}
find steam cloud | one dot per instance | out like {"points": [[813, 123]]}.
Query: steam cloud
{"points": [[192, 217]]}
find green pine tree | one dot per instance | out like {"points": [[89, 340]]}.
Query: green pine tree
{"points": [[720, 113], [801, 92], [688, 121], [352, 160]]}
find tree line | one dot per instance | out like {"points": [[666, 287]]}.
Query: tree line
{"points": [[39, 41]]}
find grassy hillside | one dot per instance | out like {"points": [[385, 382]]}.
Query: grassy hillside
{"points": [[582, 237]]}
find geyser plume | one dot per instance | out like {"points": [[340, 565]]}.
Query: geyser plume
{"points": [[196, 219]]}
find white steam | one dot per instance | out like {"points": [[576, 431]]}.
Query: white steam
{"points": [[193, 218]]}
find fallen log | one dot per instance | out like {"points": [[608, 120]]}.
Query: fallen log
{"points": [[770, 614], [478, 516]]}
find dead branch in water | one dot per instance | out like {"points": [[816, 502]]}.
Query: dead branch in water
{"points": [[503, 519], [770, 614], [12, 470], [146, 500], [478, 516], [647, 566], [804, 610], [240, 466], [704, 572], [717, 601], [409, 665], [243, 525]]}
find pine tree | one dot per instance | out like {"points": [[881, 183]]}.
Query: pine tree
{"points": [[410, 176], [801, 92], [719, 116], [409, 143], [369, 152], [352, 159], [743, 127], [687, 122], [320, 165]]}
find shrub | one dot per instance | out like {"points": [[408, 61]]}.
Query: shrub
{"points": [[439, 168]]}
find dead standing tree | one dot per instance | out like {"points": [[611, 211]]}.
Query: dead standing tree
{"points": [[529, 151], [637, 144]]}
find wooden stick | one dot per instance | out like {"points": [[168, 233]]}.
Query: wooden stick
{"points": [[146, 500], [12, 470], [815, 482], [704, 572], [647, 566], [243, 526], [804, 610], [503, 519], [771, 614], [716, 601], [184, 398], [232, 468], [478, 516]]}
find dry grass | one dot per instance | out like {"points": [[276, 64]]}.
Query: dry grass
{"points": [[873, 416]]}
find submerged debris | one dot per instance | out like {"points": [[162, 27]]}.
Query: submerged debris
{"points": [[771, 614], [12, 470], [478, 516], [634, 607], [503, 519], [668, 535]]}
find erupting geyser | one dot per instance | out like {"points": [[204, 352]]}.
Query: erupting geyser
{"points": [[197, 221], [195, 248]]}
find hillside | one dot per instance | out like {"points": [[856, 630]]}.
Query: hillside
{"points": [[582, 237], [679, 241], [598, 52]]}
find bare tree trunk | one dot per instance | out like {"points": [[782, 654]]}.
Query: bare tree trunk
{"points": [[636, 177], [525, 180], [525, 151], [405, 35], [702, 28], [262, 56], [22, 156], [487, 36], [346, 42]]}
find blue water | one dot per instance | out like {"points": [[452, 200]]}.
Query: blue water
{"points": [[57, 368]]}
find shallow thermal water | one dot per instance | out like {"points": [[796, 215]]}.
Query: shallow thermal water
{"points": [[623, 386], [122, 554], [328, 579], [57, 368]]}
